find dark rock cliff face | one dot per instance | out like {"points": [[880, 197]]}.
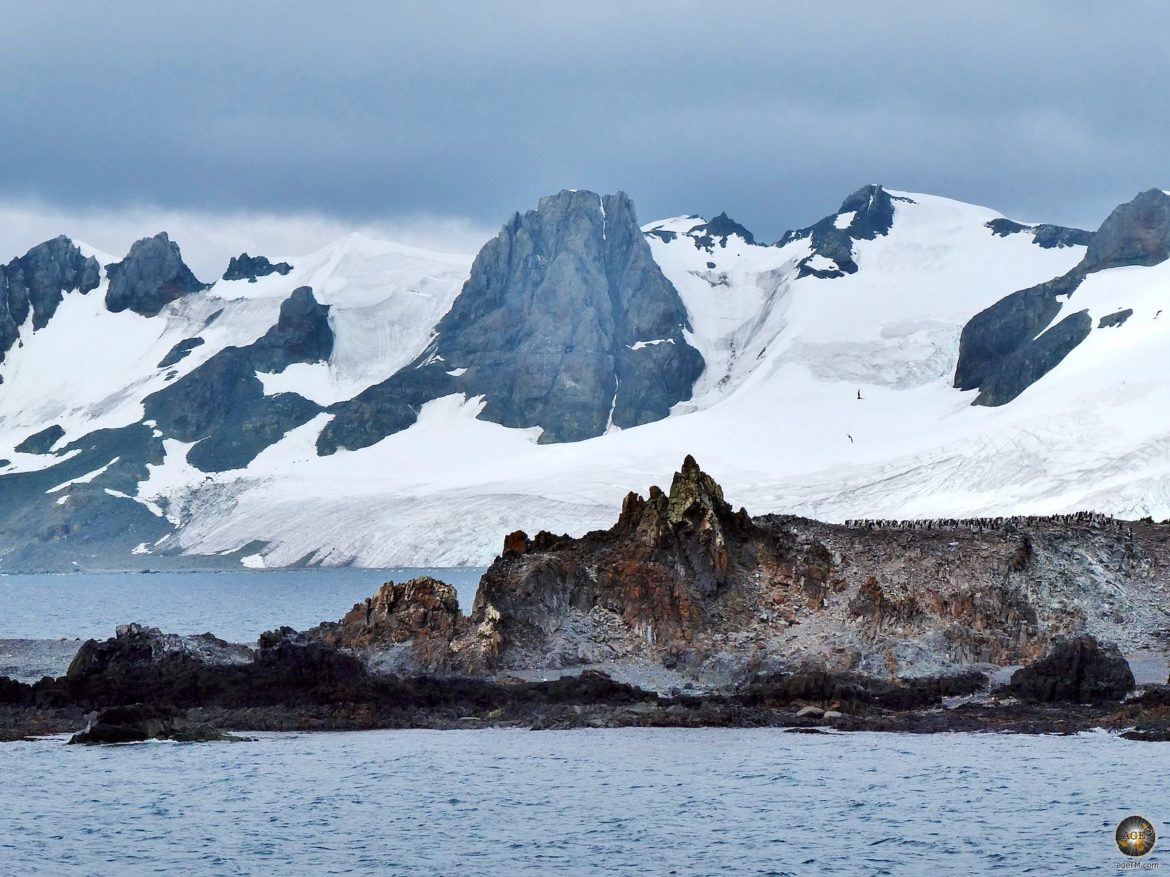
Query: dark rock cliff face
{"points": [[1136, 233], [41, 442], [221, 405], [37, 281], [151, 276], [685, 589], [245, 267], [84, 520], [1044, 235], [1006, 348], [566, 323], [684, 583], [873, 215], [1077, 669]]}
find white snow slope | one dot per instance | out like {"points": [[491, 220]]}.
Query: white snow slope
{"points": [[775, 418]]}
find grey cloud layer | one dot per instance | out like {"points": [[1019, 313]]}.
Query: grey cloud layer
{"points": [[772, 111]]}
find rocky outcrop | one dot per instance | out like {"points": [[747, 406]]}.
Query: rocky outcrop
{"points": [[715, 232], [1117, 318], [179, 352], [221, 405], [1031, 361], [1136, 233], [406, 626], [684, 613], [687, 586], [41, 442], [566, 324], [151, 276], [245, 267], [1009, 346], [866, 214], [1077, 670], [36, 283], [136, 723], [1044, 235], [301, 334]]}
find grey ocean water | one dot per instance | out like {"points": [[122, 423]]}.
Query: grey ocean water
{"points": [[604, 802], [236, 605], [505, 802]]}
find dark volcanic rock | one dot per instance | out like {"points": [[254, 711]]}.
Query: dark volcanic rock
{"points": [[41, 442], [1031, 361], [138, 722], [1001, 350], [36, 283], [301, 334], [1076, 670], [854, 691], [716, 232], [384, 409], [872, 209], [221, 404], [151, 276], [549, 323], [1043, 235], [1136, 233], [245, 267], [45, 532], [419, 618], [994, 334], [1117, 318], [179, 352], [566, 323]]}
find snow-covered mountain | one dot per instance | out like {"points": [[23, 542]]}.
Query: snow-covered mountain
{"points": [[378, 404]]}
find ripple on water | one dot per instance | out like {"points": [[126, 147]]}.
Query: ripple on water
{"points": [[682, 802]]}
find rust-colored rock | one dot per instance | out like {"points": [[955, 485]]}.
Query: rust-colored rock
{"points": [[420, 617], [516, 542]]}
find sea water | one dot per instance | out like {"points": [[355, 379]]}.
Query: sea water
{"points": [[235, 605], [590, 802]]}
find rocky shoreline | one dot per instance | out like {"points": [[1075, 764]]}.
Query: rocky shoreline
{"points": [[684, 614]]}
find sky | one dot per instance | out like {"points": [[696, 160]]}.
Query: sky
{"points": [[275, 127]]}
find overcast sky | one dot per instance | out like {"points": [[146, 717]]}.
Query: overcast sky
{"points": [[279, 125]]}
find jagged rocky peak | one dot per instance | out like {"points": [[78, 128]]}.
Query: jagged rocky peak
{"points": [[36, 282], [872, 209], [695, 494], [715, 232], [151, 276], [301, 334], [566, 323], [864, 215], [250, 268], [1135, 233]]}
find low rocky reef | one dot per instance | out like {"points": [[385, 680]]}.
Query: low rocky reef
{"points": [[684, 613]]}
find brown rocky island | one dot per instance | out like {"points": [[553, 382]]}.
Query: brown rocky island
{"points": [[685, 613]]}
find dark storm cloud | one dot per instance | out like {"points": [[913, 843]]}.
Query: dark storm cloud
{"points": [[772, 111]]}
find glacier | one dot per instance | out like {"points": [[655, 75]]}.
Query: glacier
{"points": [[826, 392]]}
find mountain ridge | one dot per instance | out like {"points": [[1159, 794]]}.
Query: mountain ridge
{"points": [[826, 391]]}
